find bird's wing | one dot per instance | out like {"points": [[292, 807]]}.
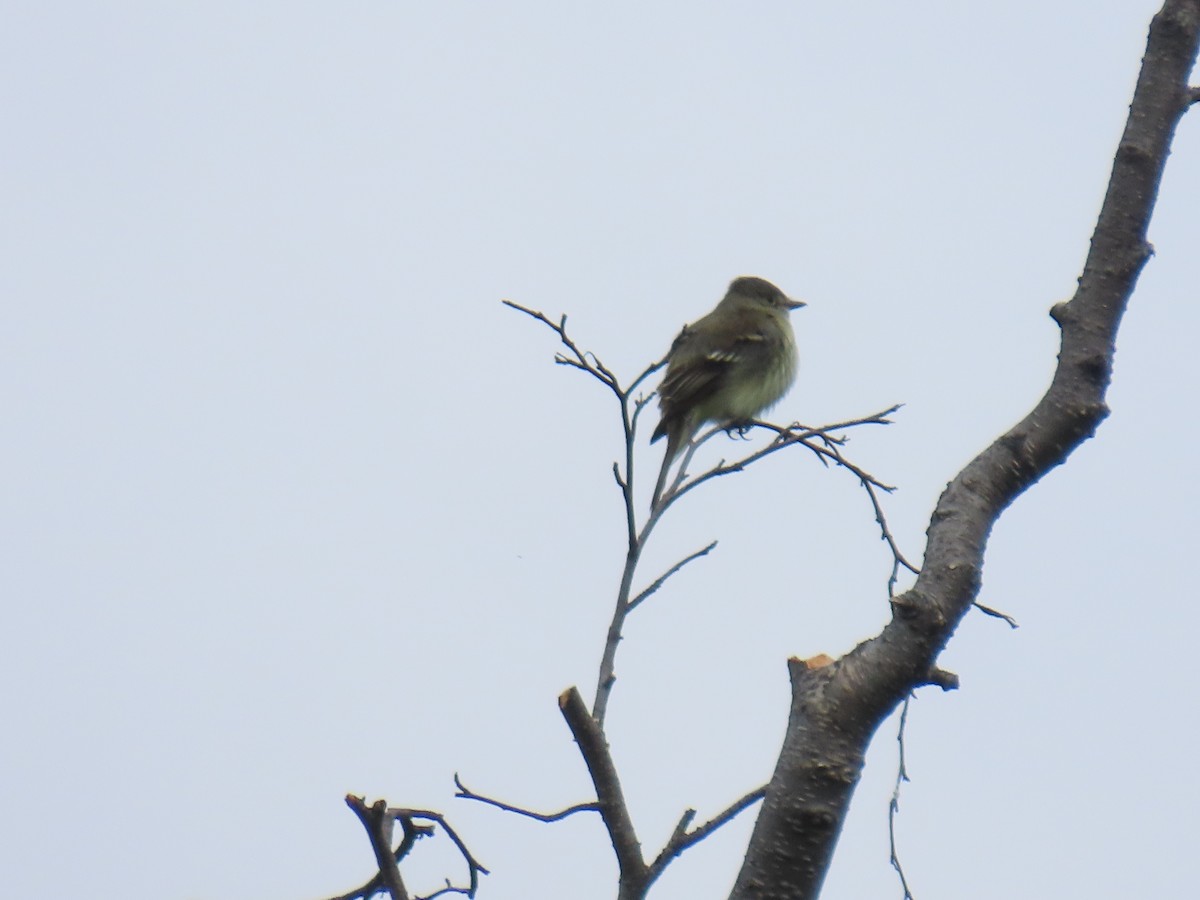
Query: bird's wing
{"points": [[696, 370], [699, 366]]}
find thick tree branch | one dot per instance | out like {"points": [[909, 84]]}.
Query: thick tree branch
{"points": [[593, 746], [836, 709]]}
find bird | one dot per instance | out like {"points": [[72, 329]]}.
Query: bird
{"points": [[728, 367]]}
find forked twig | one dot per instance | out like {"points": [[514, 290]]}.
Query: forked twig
{"points": [[681, 839], [474, 868], [379, 828], [585, 360], [379, 820]]}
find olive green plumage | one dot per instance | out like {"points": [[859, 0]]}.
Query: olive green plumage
{"points": [[727, 367]]}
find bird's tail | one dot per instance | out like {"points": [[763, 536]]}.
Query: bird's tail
{"points": [[676, 436]]}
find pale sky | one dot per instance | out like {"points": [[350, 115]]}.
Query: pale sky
{"points": [[293, 507]]}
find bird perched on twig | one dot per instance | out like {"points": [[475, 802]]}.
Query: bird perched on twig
{"points": [[727, 367]]}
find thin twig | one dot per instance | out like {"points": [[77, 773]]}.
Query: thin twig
{"points": [[379, 821], [474, 867], [639, 404], [815, 439], [579, 359], [787, 437], [995, 613], [467, 794], [588, 362], [681, 839], [894, 806], [662, 579], [585, 360], [898, 559]]}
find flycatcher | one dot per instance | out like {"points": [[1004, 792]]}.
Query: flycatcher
{"points": [[728, 367]]}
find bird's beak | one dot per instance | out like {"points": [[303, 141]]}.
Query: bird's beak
{"points": [[794, 304]]}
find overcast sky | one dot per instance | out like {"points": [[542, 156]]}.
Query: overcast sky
{"points": [[292, 506]]}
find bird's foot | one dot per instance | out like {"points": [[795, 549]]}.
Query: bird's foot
{"points": [[739, 429]]}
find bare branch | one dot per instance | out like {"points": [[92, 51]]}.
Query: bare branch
{"points": [[467, 794], [662, 579], [609, 377], [621, 482], [679, 832], [379, 825], [593, 747], [379, 821], [898, 559], [870, 485], [578, 359], [630, 412], [607, 676], [827, 449], [787, 436], [474, 868], [936, 677], [681, 839], [995, 613], [638, 405], [894, 806], [585, 360], [646, 373]]}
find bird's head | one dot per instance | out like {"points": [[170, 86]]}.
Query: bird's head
{"points": [[762, 291]]}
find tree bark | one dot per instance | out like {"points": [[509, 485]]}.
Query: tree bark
{"points": [[836, 708]]}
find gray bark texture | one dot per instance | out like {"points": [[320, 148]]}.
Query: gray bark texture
{"points": [[836, 708]]}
